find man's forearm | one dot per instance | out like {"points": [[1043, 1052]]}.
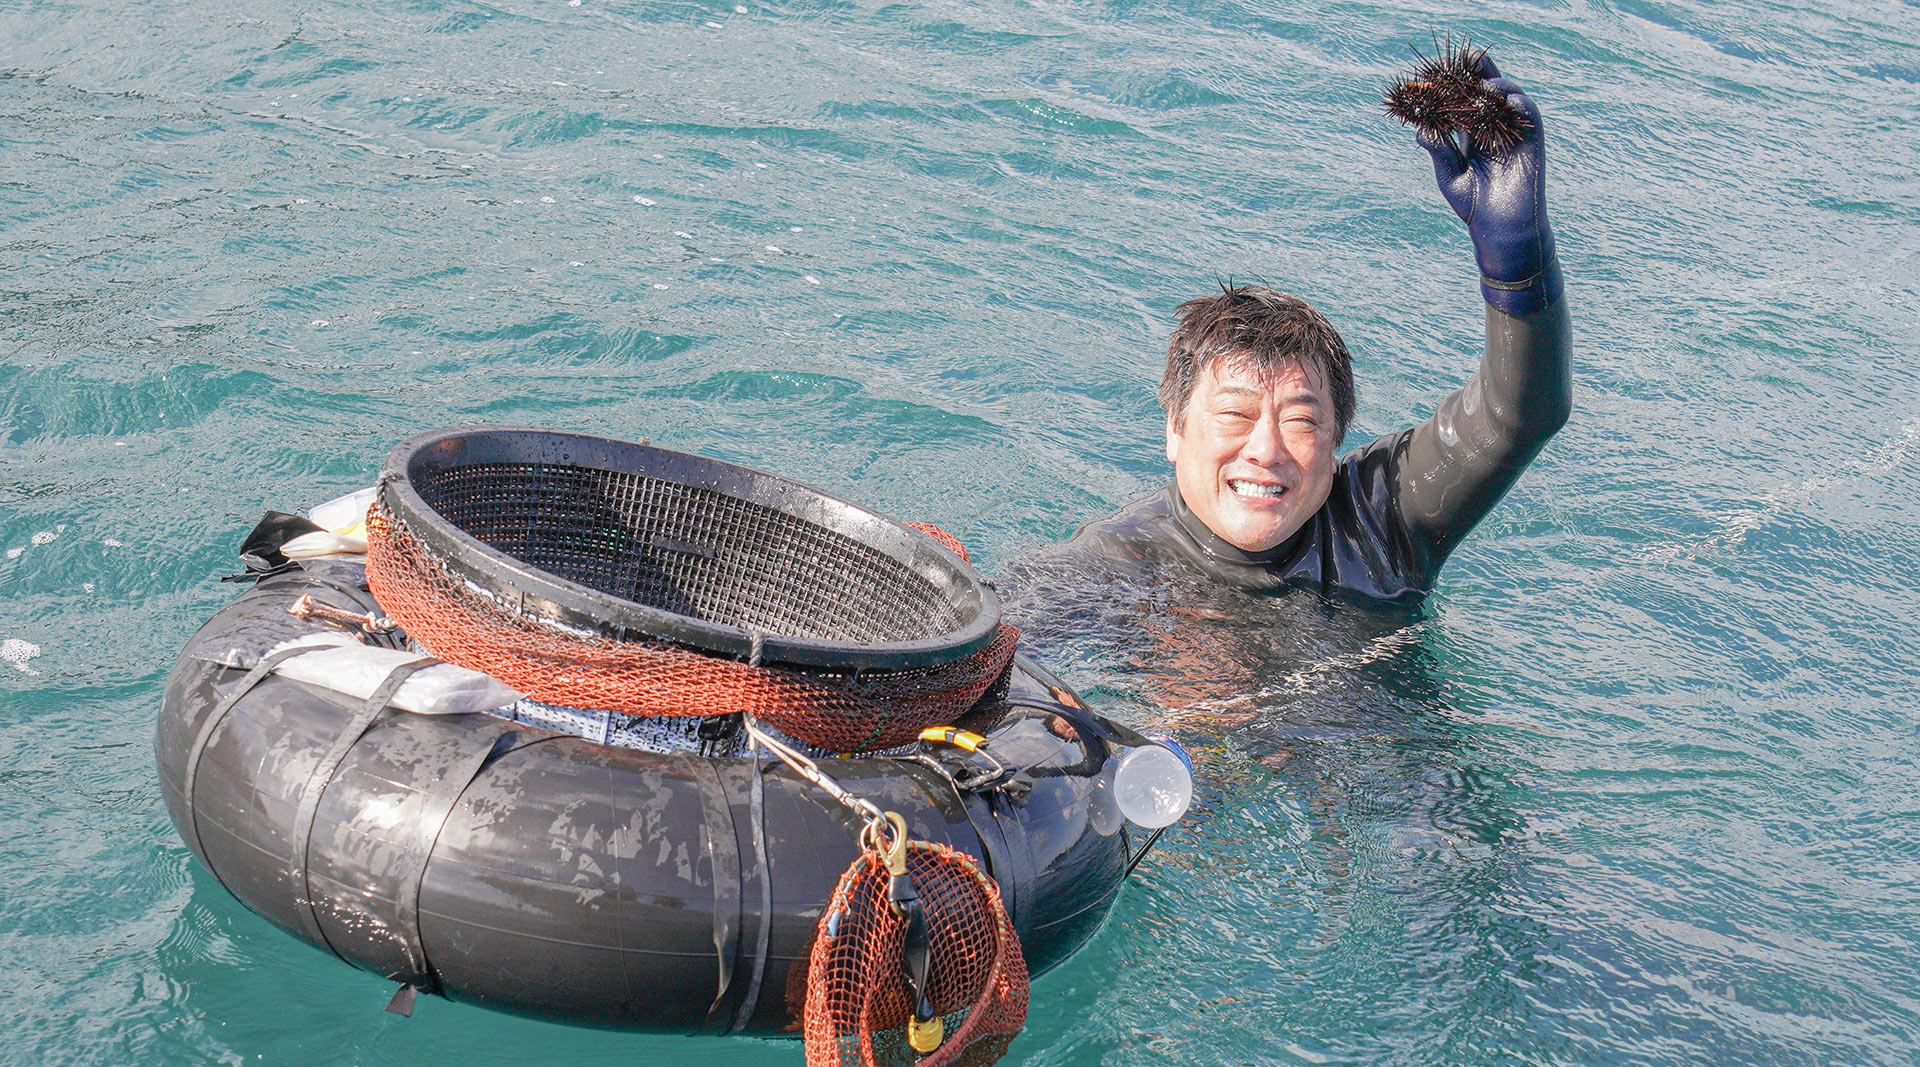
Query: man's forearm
{"points": [[1459, 463]]}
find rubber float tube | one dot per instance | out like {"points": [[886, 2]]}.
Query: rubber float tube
{"points": [[539, 873]]}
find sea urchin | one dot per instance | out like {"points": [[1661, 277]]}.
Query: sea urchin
{"points": [[1444, 95]]}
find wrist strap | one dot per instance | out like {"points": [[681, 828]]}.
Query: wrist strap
{"points": [[1513, 287]]}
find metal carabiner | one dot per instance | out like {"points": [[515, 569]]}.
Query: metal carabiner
{"points": [[892, 853]]}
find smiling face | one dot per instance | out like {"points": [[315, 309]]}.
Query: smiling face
{"points": [[1253, 455]]}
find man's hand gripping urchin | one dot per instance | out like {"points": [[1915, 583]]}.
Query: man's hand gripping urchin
{"points": [[1501, 196]]}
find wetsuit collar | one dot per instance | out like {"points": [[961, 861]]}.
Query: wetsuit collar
{"points": [[1211, 544]]}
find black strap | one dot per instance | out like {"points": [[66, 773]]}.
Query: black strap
{"points": [[356, 728], [758, 807], [433, 820], [205, 736], [723, 848], [1144, 849]]}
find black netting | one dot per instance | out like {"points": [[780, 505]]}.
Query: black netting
{"points": [[690, 551]]}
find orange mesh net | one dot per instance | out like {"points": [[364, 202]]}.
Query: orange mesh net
{"points": [[858, 1003], [947, 540], [840, 711]]}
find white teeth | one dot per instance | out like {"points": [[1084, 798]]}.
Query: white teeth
{"points": [[1255, 488]]}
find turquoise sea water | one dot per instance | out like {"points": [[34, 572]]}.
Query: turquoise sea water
{"points": [[1638, 787]]}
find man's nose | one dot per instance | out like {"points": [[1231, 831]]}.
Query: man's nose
{"points": [[1264, 445]]}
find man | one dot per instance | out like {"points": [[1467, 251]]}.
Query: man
{"points": [[1259, 391]]}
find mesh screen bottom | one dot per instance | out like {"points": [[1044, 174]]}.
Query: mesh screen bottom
{"points": [[851, 712], [857, 1003]]}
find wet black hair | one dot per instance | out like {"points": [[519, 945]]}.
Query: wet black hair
{"points": [[1264, 327]]}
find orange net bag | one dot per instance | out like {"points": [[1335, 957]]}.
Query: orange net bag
{"points": [[859, 1004], [947, 540], [847, 712]]}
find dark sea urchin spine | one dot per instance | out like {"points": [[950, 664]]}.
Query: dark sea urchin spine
{"points": [[1444, 95]]}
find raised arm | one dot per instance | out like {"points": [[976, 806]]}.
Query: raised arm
{"points": [[1459, 463]]}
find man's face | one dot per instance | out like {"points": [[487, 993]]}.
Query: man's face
{"points": [[1254, 454]]}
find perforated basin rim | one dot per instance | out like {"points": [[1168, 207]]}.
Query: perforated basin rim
{"points": [[628, 541]]}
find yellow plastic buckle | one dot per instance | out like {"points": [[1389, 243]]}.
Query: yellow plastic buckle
{"points": [[926, 1036], [953, 735]]}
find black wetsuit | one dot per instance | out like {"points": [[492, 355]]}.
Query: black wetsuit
{"points": [[1400, 505]]}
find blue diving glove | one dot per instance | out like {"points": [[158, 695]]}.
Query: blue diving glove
{"points": [[1503, 201]]}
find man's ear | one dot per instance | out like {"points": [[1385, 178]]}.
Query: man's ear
{"points": [[1173, 441]]}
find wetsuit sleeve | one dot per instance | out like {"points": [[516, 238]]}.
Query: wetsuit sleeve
{"points": [[1459, 463]]}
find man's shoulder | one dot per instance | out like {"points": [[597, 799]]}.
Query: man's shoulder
{"points": [[1363, 520], [1130, 532], [1381, 453]]}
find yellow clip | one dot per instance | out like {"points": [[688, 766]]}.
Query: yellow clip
{"points": [[926, 1036], [955, 736], [893, 853]]}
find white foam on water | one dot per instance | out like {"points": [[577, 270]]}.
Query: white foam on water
{"points": [[643, 201], [44, 537], [1898, 451], [18, 652], [1303, 680], [811, 280], [112, 542], [14, 553]]}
